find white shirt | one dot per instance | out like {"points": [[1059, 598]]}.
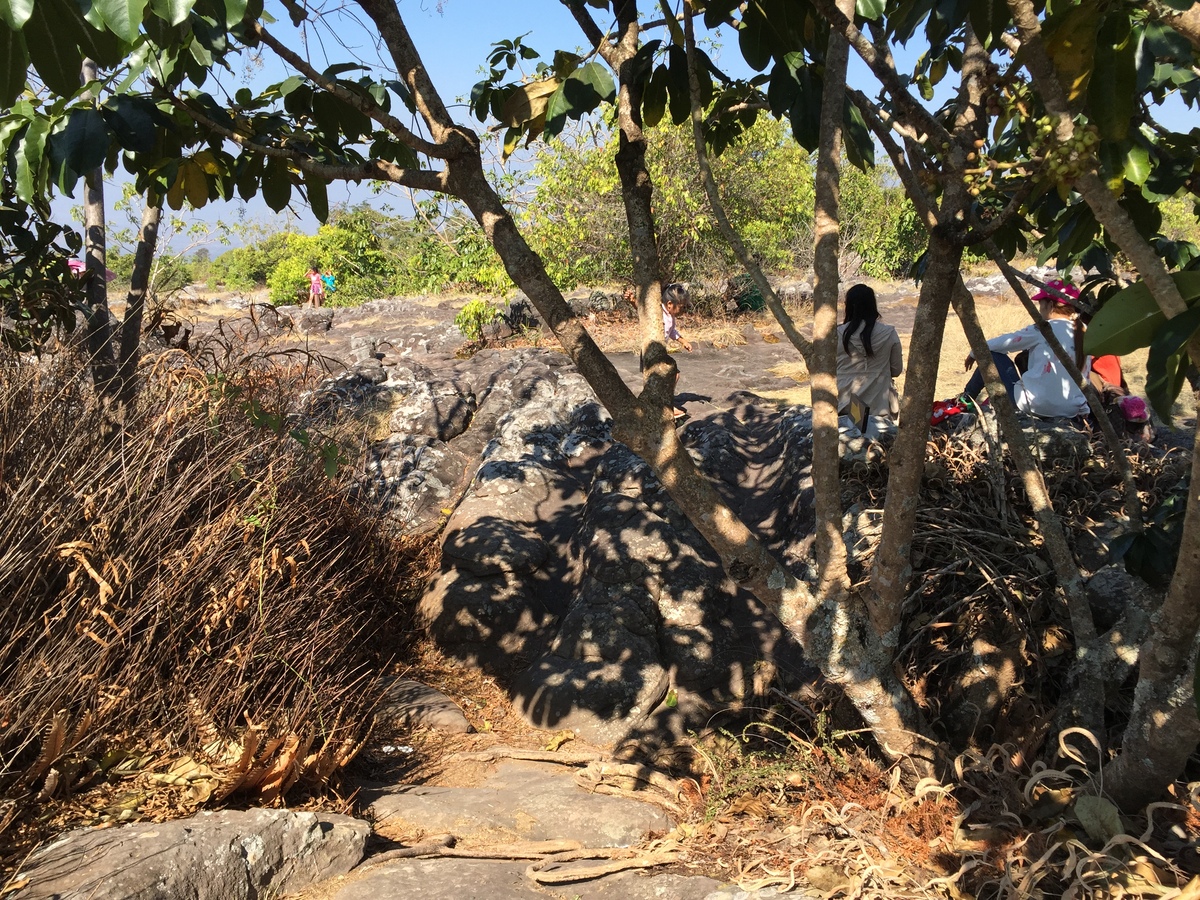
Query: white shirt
{"points": [[870, 377], [1045, 389]]}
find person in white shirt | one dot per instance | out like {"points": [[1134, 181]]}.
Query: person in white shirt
{"points": [[869, 356], [1044, 388], [674, 300]]}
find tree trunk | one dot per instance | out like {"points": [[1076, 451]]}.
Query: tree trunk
{"points": [[99, 330], [892, 568], [827, 484], [1163, 728], [135, 305], [1082, 704]]}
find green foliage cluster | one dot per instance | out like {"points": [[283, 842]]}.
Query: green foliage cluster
{"points": [[474, 317], [879, 223], [38, 291], [448, 252], [242, 268], [766, 181], [574, 219]]}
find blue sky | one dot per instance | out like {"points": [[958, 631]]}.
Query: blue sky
{"points": [[454, 42]]}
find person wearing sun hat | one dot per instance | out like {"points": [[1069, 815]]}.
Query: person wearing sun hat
{"points": [[1044, 388]]}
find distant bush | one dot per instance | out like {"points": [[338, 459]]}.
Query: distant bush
{"points": [[288, 281]]}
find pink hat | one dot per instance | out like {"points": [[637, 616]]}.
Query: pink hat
{"points": [[1062, 287]]}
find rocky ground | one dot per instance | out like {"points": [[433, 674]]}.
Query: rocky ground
{"points": [[567, 576]]}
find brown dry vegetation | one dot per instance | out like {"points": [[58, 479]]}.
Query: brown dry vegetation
{"points": [[195, 610]]}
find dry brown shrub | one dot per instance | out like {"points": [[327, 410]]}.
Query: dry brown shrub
{"points": [[188, 593]]}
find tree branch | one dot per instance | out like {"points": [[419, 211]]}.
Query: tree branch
{"points": [[884, 68], [798, 340], [370, 170], [357, 101]]}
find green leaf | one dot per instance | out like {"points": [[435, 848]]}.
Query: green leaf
{"points": [[871, 10], [15, 13], [53, 41], [717, 12], [556, 111], [195, 184], [318, 197], [1070, 41], [235, 11], [673, 26], [9, 129], [276, 184], [249, 172], [1167, 363], [654, 97], [754, 38], [123, 17], [133, 122], [527, 102], [680, 88], [289, 84], [13, 67], [175, 196], [860, 146], [593, 84], [1137, 164], [83, 144], [173, 12], [1131, 317], [342, 68], [1112, 93], [805, 114], [29, 159]]}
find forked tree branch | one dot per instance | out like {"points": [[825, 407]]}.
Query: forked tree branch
{"points": [[364, 105]]}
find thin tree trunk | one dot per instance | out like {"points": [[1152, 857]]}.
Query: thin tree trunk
{"points": [[892, 569], [135, 305], [1133, 502], [798, 340], [1084, 705], [1164, 728], [99, 330]]}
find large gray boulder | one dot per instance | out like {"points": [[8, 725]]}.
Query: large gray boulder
{"points": [[227, 855]]}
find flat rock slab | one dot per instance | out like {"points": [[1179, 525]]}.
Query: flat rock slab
{"points": [[227, 855], [531, 801], [477, 879]]}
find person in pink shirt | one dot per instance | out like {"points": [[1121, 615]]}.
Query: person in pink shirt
{"points": [[316, 287]]}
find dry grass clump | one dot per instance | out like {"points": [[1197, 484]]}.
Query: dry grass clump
{"points": [[190, 600], [791, 803]]}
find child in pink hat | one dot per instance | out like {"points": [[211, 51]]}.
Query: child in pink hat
{"points": [[1044, 388]]}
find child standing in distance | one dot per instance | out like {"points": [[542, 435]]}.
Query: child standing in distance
{"points": [[674, 300], [316, 287]]}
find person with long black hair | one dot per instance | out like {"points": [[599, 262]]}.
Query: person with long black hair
{"points": [[869, 356]]}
